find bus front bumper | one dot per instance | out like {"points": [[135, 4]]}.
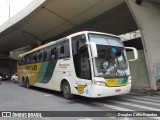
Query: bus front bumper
{"points": [[104, 91]]}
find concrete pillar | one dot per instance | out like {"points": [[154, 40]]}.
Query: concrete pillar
{"points": [[147, 17]]}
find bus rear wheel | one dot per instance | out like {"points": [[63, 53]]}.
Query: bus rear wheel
{"points": [[67, 91], [27, 83]]}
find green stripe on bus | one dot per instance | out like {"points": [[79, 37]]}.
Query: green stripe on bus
{"points": [[49, 71], [42, 72], [122, 81]]}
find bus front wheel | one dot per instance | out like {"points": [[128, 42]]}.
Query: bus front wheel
{"points": [[23, 82], [67, 91]]}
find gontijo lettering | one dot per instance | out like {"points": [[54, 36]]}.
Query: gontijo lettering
{"points": [[31, 67]]}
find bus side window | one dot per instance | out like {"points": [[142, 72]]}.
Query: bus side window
{"points": [[45, 55], [63, 49], [61, 52], [66, 49], [23, 60], [34, 58], [53, 53], [19, 61], [27, 59], [41, 56]]}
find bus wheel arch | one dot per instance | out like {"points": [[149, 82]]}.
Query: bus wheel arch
{"points": [[66, 89]]}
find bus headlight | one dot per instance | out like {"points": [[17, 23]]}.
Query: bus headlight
{"points": [[129, 81], [100, 83]]}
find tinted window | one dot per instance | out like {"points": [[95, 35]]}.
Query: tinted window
{"points": [[80, 57], [53, 53], [60, 50]]}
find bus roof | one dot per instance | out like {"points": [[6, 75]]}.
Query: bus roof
{"points": [[63, 39], [43, 46], [83, 32]]}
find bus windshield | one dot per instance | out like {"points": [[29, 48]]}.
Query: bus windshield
{"points": [[111, 61]]}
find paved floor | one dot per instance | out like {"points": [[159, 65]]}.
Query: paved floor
{"points": [[14, 97]]}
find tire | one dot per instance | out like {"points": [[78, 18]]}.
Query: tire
{"points": [[67, 91], [27, 83], [23, 82]]}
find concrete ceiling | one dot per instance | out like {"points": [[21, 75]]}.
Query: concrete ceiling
{"points": [[53, 18]]}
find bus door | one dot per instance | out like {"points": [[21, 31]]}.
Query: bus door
{"points": [[81, 65]]}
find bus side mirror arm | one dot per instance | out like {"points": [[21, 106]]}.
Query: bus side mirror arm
{"points": [[135, 53], [93, 48]]}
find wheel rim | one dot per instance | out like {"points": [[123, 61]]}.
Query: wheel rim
{"points": [[23, 83], [66, 90], [27, 83]]}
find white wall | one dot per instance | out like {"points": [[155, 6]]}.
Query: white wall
{"points": [[147, 17]]}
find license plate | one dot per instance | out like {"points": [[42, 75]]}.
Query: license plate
{"points": [[118, 90]]}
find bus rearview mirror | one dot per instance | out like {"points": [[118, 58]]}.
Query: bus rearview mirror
{"points": [[135, 52]]}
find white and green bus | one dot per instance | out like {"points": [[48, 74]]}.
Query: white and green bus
{"points": [[87, 63]]}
